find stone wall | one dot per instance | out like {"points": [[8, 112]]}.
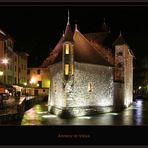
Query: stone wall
{"points": [[118, 96], [101, 79], [56, 92], [89, 91]]}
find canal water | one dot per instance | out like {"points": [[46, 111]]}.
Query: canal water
{"points": [[136, 114]]}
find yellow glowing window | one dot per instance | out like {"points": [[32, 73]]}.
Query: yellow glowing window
{"points": [[66, 69], [67, 48], [72, 71], [90, 87], [1, 73]]}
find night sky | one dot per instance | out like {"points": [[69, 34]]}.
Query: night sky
{"points": [[37, 29]]}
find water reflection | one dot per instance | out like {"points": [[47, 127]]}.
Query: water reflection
{"points": [[136, 114], [34, 115]]}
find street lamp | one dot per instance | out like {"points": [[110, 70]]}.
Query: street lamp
{"points": [[5, 61], [139, 87]]}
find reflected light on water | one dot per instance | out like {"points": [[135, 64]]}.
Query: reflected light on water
{"points": [[113, 114], [85, 117], [138, 112], [31, 117], [43, 112], [139, 103], [49, 116]]}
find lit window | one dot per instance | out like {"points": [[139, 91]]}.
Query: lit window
{"points": [[72, 71], [67, 48], [90, 87], [1, 73], [66, 69]]}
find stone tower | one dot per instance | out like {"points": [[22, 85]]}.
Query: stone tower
{"points": [[123, 73], [68, 63]]}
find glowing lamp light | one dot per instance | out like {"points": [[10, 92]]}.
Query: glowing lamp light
{"points": [[25, 83], [1, 73], [139, 87], [5, 61], [33, 80], [6, 91]]}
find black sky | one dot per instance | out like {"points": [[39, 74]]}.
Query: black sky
{"points": [[37, 29]]}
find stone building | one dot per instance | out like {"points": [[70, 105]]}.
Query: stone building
{"points": [[90, 73]]}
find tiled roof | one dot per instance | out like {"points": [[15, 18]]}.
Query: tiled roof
{"points": [[99, 37], [84, 52], [68, 35]]}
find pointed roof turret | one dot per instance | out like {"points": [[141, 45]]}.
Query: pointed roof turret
{"points": [[104, 27], [120, 40], [120, 34], [68, 35]]}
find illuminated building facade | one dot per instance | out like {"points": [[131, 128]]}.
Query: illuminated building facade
{"points": [[38, 81], [87, 75], [13, 65]]}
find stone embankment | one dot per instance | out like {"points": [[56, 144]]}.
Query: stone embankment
{"points": [[12, 109]]}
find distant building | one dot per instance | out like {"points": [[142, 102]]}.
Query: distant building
{"points": [[38, 81], [90, 73], [22, 68], [13, 65]]}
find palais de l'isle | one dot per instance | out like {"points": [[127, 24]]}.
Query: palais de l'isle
{"points": [[90, 73]]}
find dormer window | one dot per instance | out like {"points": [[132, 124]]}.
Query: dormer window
{"points": [[66, 48]]}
